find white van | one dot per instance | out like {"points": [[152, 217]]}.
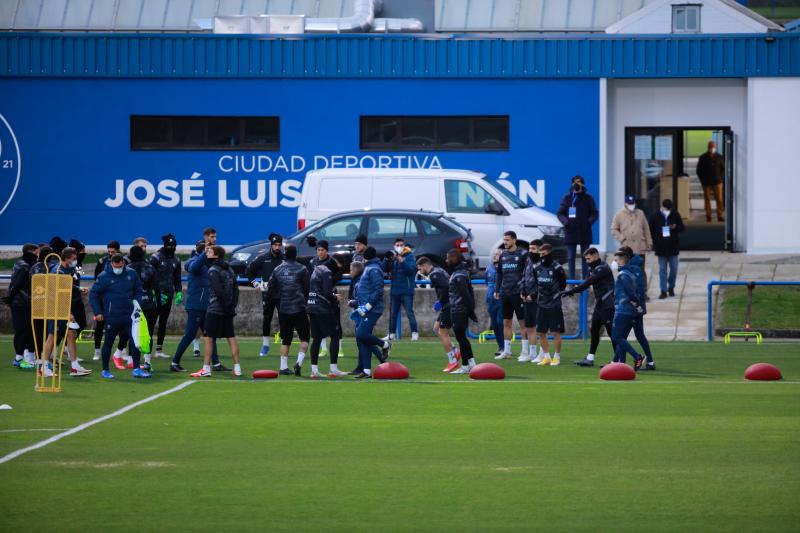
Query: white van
{"points": [[471, 198]]}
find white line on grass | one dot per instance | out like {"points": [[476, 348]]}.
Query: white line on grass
{"points": [[32, 429], [90, 423]]}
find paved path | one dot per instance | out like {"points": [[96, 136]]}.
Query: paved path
{"points": [[684, 317]]}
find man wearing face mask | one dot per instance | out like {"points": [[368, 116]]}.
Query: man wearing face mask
{"points": [[262, 267], [631, 229], [168, 286], [529, 294], [148, 276], [72, 329], [665, 227], [112, 298], [627, 306], [550, 281], [401, 265], [577, 212], [19, 299], [602, 280], [462, 307], [112, 248], [711, 172]]}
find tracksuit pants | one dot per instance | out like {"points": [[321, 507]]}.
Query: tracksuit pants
{"points": [[195, 319], [23, 333], [601, 318], [405, 301], [619, 333], [163, 311], [638, 332], [268, 306], [366, 339], [496, 321], [112, 329], [460, 324]]}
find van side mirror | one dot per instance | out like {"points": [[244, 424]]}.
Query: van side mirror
{"points": [[312, 241], [494, 208]]}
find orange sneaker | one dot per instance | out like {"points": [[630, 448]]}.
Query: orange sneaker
{"points": [[119, 362], [452, 366]]}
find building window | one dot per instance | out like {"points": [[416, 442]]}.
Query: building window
{"points": [[434, 133], [686, 18], [205, 133]]}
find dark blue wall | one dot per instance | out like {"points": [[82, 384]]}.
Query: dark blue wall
{"points": [[74, 139]]}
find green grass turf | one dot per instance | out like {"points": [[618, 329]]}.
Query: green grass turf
{"points": [[773, 307], [688, 447]]}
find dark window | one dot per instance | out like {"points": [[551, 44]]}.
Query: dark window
{"points": [[205, 133], [435, 133]]}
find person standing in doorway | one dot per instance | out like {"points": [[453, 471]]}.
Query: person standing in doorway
{"points": [[665, 226], [711, 171], [578, 212], [630, 228]]}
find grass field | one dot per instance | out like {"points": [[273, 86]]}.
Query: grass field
{"points": [[773, 307], [688, 447]]}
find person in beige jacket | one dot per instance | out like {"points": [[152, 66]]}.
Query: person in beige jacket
{"points": [[630, 228]]}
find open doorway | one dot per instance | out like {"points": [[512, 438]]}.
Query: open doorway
{"points": [[676, 163]]}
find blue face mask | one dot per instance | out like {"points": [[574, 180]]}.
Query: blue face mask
{"points": [[118, 271]]}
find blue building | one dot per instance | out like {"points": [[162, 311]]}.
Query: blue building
{"points": [[151, 116]]}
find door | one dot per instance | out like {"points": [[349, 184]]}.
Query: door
{"points": [[651, 167], [730, 173]]}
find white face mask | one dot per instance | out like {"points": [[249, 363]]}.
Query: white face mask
{"points": [[118, 271], [630, 207], [73, 263], [614, 265], [398, 249]]}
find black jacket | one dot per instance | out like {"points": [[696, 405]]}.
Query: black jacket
{"points": [[710, 169], [168, 272], [666, 246], [289, 281], [327, 262], [462, 298], [262, 267], [148, 276], [578, 230], [19, 288], [550, 281], [601, 279], [224, 295], [322, 292], [528, 285], [101, 265], [440, 282], [509, 272]]}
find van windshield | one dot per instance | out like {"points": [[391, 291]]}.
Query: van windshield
{"points": [[515, 202]]}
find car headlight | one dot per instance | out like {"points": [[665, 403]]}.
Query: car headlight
{"points": [[241, 256], [552, 230]]}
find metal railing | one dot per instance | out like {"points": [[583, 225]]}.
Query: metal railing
{"points": [[717, 282]]}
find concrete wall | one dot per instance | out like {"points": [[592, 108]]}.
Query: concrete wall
{"points": [[773, 118], [248, 318], [681, 103]]}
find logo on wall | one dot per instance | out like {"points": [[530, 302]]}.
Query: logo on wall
{"points": [[9, 164]]}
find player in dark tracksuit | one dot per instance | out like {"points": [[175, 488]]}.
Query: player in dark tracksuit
{"points": [[369, 301], [550, 281], [636, 265], [325, 259], [356, 271], [40, 268], [262, 267], [323, 313], [628, 306], [72, 329], [601, 279], [168, 287], [148, 276], [440, 283], [529, 294], [113, 249], [462, 307], [19, 299], [289, 281], [507, 290]]}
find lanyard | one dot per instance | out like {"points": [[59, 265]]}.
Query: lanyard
{"points": [[574, 197]]}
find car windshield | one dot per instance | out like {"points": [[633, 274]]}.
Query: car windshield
{"points": [[516, 202]]}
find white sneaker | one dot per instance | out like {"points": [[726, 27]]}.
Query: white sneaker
{"points": [[119, 354], [337, 374], [504, 355], [96, 356], [237, 371], [47, 371], [80, 371], [538, 359], [524, 358], [462, 370], [414, 336], [161, 355], [314, 375], [389, 337]]}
